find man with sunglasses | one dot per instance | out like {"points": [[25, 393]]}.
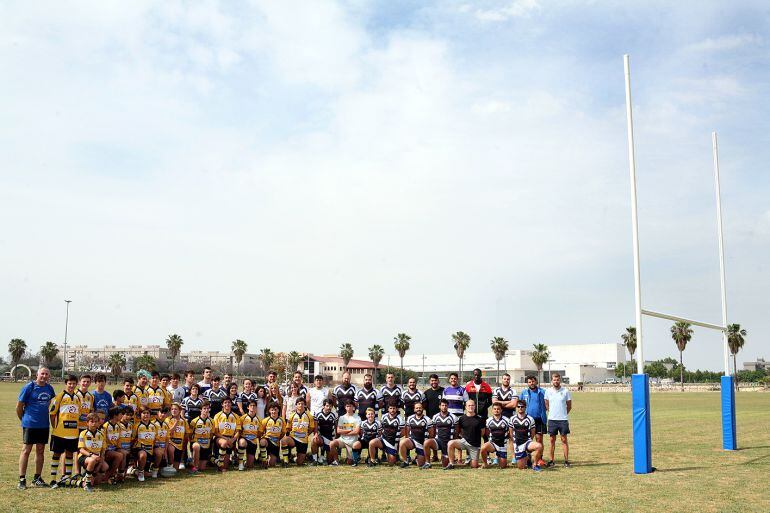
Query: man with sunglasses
{"points": [[523, 427]]}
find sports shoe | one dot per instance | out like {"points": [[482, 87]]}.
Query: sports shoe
{"points": [[468, 460], [537, 468], [140, 476], [181, 466], [449, 466], [549, 464], [404, 464], [193, 471], [334, 463], [22, 484], [241, 467], [567, 464], [154, 474], [53, 484], [354, 464], [89, 488], [131, 470], [541, 462], [369, 463], [426, 465], [39, 483]]}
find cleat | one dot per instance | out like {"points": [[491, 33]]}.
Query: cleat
{"points": [[241, 467], [567, 464], [39, 483], [154, 474], [537, 468], [426, 465], [22, 484], [140, 476], [53, 484], [334, 463], [404, 464], [449, 466], [549, 464], [541, 462], [89, 488]]}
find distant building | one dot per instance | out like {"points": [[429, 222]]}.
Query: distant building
{"points": [[759, 365], [331, 367]]}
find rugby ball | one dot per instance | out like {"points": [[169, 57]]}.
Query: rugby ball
{"points": [[168, 471]]}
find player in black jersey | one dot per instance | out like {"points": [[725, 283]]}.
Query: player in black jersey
{"points": [[392, 424], [499, 434], [390, 391], [370, 430], [343, 393], [418, 435], [523, 427], [325, 429], [366, 397], [410, 397], [444, 425]]}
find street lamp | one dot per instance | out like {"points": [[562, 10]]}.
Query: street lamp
{"points": [[66, 325]]}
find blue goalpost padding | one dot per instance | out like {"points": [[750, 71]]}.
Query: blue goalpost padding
{"points": [[640, 399], [729, 438]]}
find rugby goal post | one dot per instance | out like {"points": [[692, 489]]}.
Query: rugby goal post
{"points": [[640, 382]]}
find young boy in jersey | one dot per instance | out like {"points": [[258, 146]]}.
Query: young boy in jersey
{"points": [[201, 432], [348, 429], [271, 430], [418, 435], [131, 398], [144, 441], [370, 430], [444, 425], [86, 400], [392, 424], [299, 425], [102, 398], [126, 438], [248, 443], [161, 440], [499, 434], [227, 427], [91, 449], [113, 455], [64, 413], [178, 430], [523, 427], [325, 428]]}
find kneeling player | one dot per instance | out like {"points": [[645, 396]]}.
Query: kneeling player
{"points": [[91, 449], [370, 430], [112, 431], [177, 429], [144, 441], [348, 429], [392, 425], [418, 435], [326, 426], [299, 425], [523, 427], [499, 433], [444, 424], [227, 427], [272, 430], [201, 431], [248, 443], [161, 440]]}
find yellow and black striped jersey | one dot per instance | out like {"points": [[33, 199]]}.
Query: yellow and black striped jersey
{"points": [[91, 441], [134, 402], [112, 435], [201, 431], [65, 414], [161, 434], [300, 426], [155, 398], [250, 427], [141, 398], [177, 430], [272, 429], [86, 407], [126, 435], [144, 435], [226, 424]]}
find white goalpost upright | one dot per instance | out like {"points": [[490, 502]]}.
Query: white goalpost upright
{"points": [[640, 383]]}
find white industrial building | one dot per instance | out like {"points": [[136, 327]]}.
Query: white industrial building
{"points": [[587, 363]]}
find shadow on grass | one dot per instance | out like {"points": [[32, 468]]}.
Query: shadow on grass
{"points": [[680, 469], [754, 447]]}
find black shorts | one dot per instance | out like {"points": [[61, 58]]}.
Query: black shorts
{"points": [[273, 450], [82, 462], [177, 457], [205, 453], [558, 427], [251, 448], [301, 447], [61, 445], [539, 426], [442, 446], [31, 436]]}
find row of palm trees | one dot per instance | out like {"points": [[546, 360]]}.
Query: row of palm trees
{"points": [[682, 333]]}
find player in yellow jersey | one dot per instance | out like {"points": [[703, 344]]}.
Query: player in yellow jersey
{"points": [[112, 430], [65, 413], [227, 428], [161, 441], [140, 390], [167, 397], [201, 433], [86, 400], [299, 425], [144, 441], [271, 431], [178, 431], [155, 395], [131, 399], [126, 438], [91, 448], [249, 440]]}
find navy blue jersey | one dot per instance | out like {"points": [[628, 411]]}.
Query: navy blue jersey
{"points": [[369, 431], [498, 430], [410, 398], [386, 394], [504, 395], [445, 426], [522, 429], [342, 394], [327, 424], [191, 407], [366, 399], [418, 427], [391, 427]]}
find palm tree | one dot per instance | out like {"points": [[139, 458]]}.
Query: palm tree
{"points": [[239, 349], [539, 356], [401, 343], [346, 353], [681, 333], [376, 352], [629, 342], [116, 364], [267, 356], [735, 342], [462, 341], [499, 346], [174, 343], [146, 362], [16, 348], [294, 360], [48, 351]]}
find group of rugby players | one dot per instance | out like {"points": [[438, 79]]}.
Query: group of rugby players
{"points": [[158, 424]]}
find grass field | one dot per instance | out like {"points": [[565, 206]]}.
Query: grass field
{"points": [[694, 474]]}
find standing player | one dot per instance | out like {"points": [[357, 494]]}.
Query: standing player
{"points": [[370, 430], [91, 449], [366, 397], [505, 394], [177, 391], [410, 397], [499, 434], [455, 395], [205, 383], [201, 431], [317, 395], [432, 396], [326, 426], [297, 378], [523, 427], [246, 396], [189, 380], [86, 400], [418, 435], [102, 398], [558, 402], [392, 425], [290, 400], [64, 414], [480, 391], [227, 427], [248, 443], [156, 395], [348, 429], [215, 395], [192, 403], [444, 425], [390, 391], [132, 399], [470, 430], [271, 430], [343, 393], [32, 410], [299, 425]]}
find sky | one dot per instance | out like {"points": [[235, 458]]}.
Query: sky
{"points": [[304, 174]]}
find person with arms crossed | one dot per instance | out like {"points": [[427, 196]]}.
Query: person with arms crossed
{"points": [[558, 402], [32, 409], [470, 429]]}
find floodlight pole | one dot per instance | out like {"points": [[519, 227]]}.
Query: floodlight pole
{"points": [[640, 384], [729, 435]]}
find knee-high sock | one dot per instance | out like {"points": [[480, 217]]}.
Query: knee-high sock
{"points": [[67, 465], [55, 465], [285, 450], [263, 453]]}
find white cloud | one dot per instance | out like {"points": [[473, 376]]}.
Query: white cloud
{"points": [[514, 9], [725, 43]]}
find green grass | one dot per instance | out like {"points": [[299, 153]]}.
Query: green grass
{"points": [[694, 474]]}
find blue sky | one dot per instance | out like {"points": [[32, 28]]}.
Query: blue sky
{"points": [[301, 175]]}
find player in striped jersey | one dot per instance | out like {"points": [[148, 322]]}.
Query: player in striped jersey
{"points": [[455, 395], [155, 394], [499, 434], [444, 426], [418, 435], [410, 397], [370, 430], [201, 433], [178, 432], [325, 429], [390, 391], [144, 441], [248, 443], [299, 426], [344, 392], [227, 428], [113, 456], [505, 393], [271, 431], [86, 400], [246, 396], [192, 403], [64, 413], [161, 440], [215, 395], [392, 425], [367, 397], [523, 427], [91, 448], [132, 399]]}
